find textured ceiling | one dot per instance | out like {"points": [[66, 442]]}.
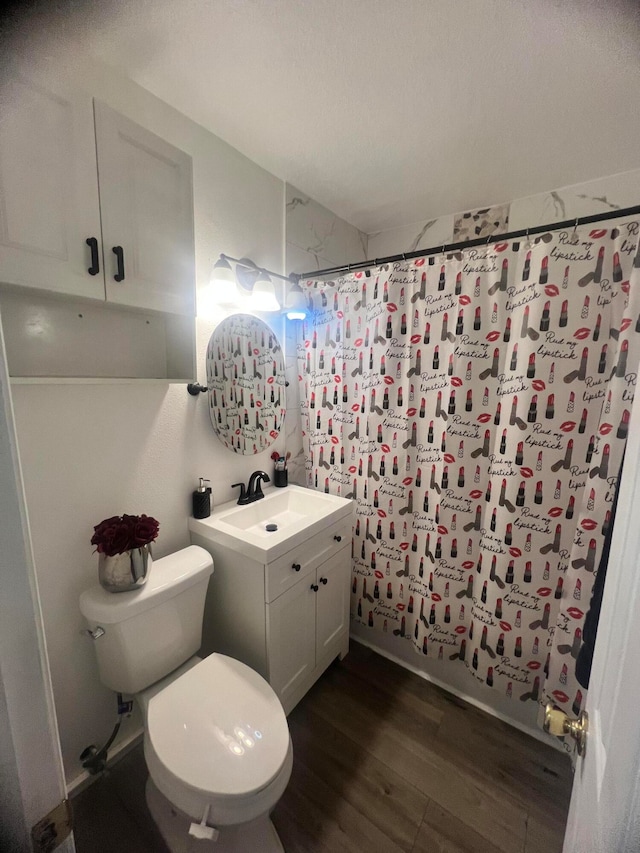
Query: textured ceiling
{"points": [[390, 111]]}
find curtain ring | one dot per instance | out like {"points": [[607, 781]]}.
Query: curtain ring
{"points": [[575, 225], [404, 257]]}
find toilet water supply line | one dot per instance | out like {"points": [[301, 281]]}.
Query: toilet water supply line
{"points": [[95, 760]]}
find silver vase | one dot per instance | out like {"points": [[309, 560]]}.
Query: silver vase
{"points": [[126, 571]]}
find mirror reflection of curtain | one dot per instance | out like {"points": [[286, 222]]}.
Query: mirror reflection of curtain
{"points": [[476, 407], [245, 377]]}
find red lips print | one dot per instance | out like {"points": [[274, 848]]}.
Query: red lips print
{"points": [[378, 574], [339, 315], [506, 626], [388, 380], [568, 426], [560, 697], [270, 380], [605, 429], [597, 233], [274, 433], [468, 564], [484, 418], [555, 511], [355, 407], [575, 612], [442, 530], [419, 262], [358, 342], [334, 439], [411, 412], [415, 339], [259, 404], [456, 381], [624, 287], [501, 247], [407, 481], [493, 336], [534, 664], [582, 333], [385, 448], [551, 290], [460, 629], [399, 606], [449, 458], [337, 379], [625, 324], [404, 546], [475, 494], [588, 524], [544, 591], [515, 552], [464, 299], [391, 307], [435, 597], [382, 513], [538, 385], [352, 469], [526, 472]]}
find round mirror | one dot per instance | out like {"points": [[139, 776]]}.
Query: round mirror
{"points": [[245, 377]]}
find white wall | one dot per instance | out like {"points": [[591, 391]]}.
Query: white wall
{"points": [[91, 450]]}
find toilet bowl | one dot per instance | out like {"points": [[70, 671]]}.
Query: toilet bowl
{"points": [[216, 740]]}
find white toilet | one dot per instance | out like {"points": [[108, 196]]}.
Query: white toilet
{"points": [[216, 739]]}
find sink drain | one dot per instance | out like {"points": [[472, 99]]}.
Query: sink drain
{"points": [[271, 527]]}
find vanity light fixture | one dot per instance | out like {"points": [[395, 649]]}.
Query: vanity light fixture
{"points": [[295, 305], [248, 280]]}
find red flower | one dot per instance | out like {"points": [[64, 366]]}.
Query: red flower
{"points": [[118, 534]]}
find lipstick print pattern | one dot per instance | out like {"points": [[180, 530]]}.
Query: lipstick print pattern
{"points": [[481, 436]]}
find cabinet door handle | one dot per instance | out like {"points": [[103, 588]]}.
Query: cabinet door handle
{"points": [[118, 251], [296, 567], [315, 587], [325, 581], [338, 538], [92, 243]]}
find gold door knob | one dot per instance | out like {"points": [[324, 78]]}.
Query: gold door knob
{"points": [[557, 723]]}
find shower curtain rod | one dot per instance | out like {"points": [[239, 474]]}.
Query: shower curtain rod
{"points": [[466, 244]]}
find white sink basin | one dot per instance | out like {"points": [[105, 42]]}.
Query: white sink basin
{"points": [[297, 513]]}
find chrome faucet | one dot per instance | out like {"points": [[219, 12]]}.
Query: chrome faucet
{"points": [[253, 492]]}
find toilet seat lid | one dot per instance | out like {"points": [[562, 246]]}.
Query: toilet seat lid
{"points": [[219, 728]]}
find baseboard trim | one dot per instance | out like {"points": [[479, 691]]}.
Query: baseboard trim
{"points": [[84, 779], [534, 733]]}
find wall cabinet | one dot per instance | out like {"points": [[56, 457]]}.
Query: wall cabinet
{"points": [[97, 208], [288, 619]]}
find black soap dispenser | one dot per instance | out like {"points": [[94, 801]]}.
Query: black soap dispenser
{"points": [[201, 499]]}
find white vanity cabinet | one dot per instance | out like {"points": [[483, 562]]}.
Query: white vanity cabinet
{"points": [[287, 618]]}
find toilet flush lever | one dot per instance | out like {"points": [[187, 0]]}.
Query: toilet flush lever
{"points": [[96, 634], [202, 831]]}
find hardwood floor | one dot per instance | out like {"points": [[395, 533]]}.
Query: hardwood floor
{"points": [[383, 761]]}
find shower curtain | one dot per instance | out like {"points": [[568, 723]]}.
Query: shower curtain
{"points": [[475, 406]]}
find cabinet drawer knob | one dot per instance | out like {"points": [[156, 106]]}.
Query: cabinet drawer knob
{"points": [[296, 567], [92, 243], [118, 251], [338, 538], [315, 587], [324, 580]]}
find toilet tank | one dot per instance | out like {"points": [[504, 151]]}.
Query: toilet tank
{"points": [[150, 631]]}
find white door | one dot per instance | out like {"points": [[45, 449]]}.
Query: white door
{"points": [[605, 806], [31, 773], [291, 627], [48, 189], [146, 202], [332, 605]]}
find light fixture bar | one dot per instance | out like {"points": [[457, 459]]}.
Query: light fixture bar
{"points": [[249, 264]]}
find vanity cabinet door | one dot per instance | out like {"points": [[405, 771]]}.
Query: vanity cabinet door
{"points": [[291, 638], [48, 189], [146, 202], [332, 603]]}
